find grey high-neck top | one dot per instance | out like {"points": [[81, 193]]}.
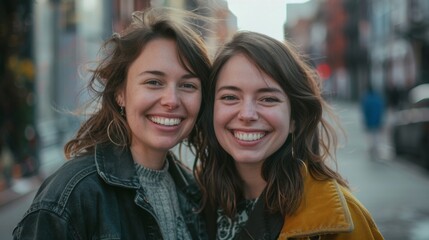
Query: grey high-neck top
{"points": [[161, 193]]}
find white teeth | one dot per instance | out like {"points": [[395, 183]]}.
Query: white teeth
{"points": [[248, 136], [165, 121]]}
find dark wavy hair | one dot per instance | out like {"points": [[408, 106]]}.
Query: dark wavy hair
{"points": [[119, 52], [312, 142]]}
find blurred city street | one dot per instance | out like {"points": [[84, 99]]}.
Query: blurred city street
{"points": [[48, 49], [394, 191]]}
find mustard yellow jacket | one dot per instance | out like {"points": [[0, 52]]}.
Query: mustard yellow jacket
{"points": [[329, 211]]}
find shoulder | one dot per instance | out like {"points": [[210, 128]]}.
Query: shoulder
{"points": [[363, 225], [71, 178], [361, 217], [338, 212]]}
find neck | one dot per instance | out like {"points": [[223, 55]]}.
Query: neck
{"points": [[251, 176], [149, 159]]}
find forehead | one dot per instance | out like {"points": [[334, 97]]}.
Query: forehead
{"points": [[157, 54], [240, 71], [160, 47]]}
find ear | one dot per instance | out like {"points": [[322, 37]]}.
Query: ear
{"points": [[120, 97]]}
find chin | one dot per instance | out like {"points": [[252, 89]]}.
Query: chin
{"points": [[247, 160], [165, 145]]}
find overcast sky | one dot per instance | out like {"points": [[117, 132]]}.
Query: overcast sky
{"points": [[265, 17]]}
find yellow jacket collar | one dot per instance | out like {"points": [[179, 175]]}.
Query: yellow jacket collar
{"points": [[323, 210]]}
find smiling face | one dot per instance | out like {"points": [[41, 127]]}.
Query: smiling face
{"points": [[161, 99], [251, 112]]}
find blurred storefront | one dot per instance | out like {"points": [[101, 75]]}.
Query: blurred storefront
{"points": [[18, 134], [384, 43], [337, 41]]}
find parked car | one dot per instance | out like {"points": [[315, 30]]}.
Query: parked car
{"points": [[410, 128]]}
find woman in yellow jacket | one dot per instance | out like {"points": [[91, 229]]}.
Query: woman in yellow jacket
{"points": [[263, 172]]}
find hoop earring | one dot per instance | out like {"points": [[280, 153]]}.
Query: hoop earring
{"points": [[122, 111], [304, 165], [108, 134], [293, 143]]}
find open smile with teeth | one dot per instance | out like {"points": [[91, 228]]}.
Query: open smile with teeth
{"points": [[165, 121], [248, 136]]}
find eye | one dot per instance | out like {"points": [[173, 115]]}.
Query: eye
{"points": [[228, 97], [189, 86], [270, 99], [153, 82]]}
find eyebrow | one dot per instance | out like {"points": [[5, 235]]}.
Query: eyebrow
{"points": [[261, 90], [162, 74]]}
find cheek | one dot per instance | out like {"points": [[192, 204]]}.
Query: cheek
{"points": [[281, 119], [192, 103], [218, 119], [137, 95], [220, 113]]}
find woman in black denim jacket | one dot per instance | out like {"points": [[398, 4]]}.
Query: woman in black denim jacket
{"points": [[121, 181]]}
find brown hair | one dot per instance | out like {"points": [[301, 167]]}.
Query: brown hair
{"points": [[119, 52], [312, 141]]}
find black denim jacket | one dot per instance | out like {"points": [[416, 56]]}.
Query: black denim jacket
{"points": [[99, 197]]}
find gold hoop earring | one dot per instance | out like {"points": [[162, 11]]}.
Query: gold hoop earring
{"points": [[108, 134], [293, 143], [304, 165]]}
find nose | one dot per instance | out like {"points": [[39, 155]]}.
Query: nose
{"points": [[248, 112], [170, 98]]}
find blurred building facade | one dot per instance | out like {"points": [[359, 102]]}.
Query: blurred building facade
{"points": [[46, 49], [381, 42], [18, 136]]}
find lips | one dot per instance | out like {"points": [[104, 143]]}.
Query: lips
{"points": [[248, 136], [165, 121]]}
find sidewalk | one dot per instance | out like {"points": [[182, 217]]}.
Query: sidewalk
{"points": [[51, 159], [386, 148]]}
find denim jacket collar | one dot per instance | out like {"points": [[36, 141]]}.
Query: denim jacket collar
{"points": [[115, 165]]}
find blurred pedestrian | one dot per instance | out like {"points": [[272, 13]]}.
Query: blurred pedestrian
{"points": [[372, 105], [264, 174], [122, 181]]}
